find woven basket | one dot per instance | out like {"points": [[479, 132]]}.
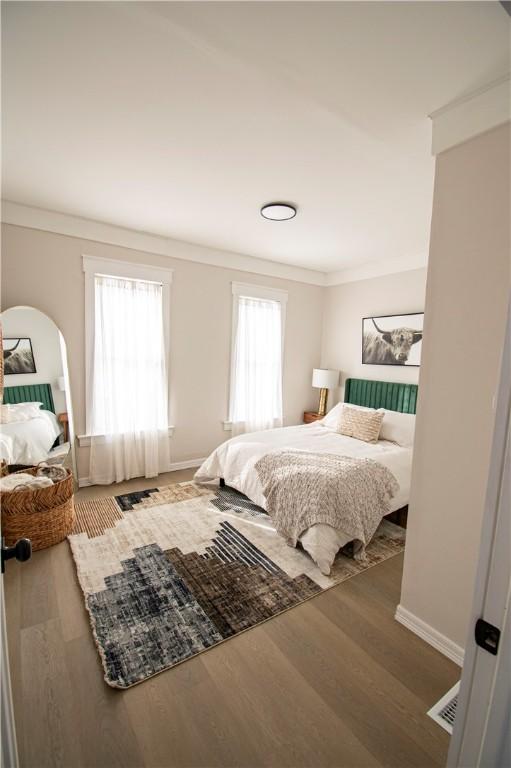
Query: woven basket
{"points": [[43, 515]]}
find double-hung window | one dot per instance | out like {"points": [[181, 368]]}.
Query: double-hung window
{"points": [[256, 357], [127, 389]]}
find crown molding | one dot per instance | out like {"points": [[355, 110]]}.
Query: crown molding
{"points": [[470, 115], [376, 269], [88, 229]]}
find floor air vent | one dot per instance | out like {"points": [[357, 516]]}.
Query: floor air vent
{"points": [[444, 711]]}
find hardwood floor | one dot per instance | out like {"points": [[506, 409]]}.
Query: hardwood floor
{"points": [[333, 683]]}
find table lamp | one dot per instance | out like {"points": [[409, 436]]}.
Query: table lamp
{"points": [[324, 379]]}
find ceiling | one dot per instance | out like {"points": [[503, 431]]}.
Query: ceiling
{"points": [[183, 118]]}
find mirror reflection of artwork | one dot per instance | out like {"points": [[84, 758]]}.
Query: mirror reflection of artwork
{"points": [[36, 415], [18, 356], [392, 339]]}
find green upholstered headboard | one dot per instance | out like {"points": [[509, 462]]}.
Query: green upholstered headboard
{"points": [[381, 394], [31, 393]]}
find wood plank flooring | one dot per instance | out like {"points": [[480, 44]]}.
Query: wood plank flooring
{"points": [[333, 683]]}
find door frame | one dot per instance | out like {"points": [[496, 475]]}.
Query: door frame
{"points": [[481, 712], [9, 750]]}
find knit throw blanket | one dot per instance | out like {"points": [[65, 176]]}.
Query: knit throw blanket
{"points": [[304, 488]]}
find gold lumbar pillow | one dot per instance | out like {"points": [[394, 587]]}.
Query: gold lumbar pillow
{"points": [[360, 424]]}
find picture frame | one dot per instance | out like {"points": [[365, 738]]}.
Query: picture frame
{"points": [[18, 356], [393, 339]]}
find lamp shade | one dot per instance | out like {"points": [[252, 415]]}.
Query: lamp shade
{"points": [[61, 383], [323, 378]]}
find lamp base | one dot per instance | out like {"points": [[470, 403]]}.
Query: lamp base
{"points": [[323, 396]]}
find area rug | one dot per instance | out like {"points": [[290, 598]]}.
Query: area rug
{"points": [[169, 572]]}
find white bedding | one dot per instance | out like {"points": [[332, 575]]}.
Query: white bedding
{"points": [[234, 460], [29, 442]]}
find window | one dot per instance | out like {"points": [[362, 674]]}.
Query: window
{"points": [[127, 390], [256, 358]]}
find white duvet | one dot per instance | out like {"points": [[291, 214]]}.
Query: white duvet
{"points": [[29, 441], [234, 460]]}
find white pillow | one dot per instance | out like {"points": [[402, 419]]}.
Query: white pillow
{"points": [[13, 412], [331, 420], [398, 428]]}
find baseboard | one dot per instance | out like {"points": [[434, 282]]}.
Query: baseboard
{"points": [[84, 482], [189, 464], [430, 635]]}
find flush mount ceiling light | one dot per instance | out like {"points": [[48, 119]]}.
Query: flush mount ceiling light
{"points": [[278, 211]]}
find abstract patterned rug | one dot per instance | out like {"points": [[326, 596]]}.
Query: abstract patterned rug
{"points": [[169, 572]]}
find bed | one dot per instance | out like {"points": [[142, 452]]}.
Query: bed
{"points": [[236, 461], [29, 427]]}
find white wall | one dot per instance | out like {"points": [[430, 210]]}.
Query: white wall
{"points": [[44, 335], [44, 270], [466, 305], [347, 304]]}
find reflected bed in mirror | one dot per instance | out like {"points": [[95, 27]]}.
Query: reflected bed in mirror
{"points": [[36, 411]]}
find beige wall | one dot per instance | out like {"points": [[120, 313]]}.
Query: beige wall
{"points": [[466, 302], [44, 270], [347, 304]]}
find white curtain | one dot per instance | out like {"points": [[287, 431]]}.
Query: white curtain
{"points": [[129, 400], [256, 375]]}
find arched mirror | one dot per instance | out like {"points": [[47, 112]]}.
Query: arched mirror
{"points": [[37, 413]]}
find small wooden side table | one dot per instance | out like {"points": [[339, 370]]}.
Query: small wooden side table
{"points": [[310, 416], [63, 419]]}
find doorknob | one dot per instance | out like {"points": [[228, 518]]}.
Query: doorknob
{"points": [[22, 551]]}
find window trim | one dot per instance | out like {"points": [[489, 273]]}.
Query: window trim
{"points": [[251, 291], [96, 265]]}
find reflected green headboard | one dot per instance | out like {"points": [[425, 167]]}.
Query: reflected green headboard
{"points": [[381, 394], [31, 393]]}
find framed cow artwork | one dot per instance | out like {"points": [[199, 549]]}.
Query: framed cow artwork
{"points": [[392, 339], [18, 356]]}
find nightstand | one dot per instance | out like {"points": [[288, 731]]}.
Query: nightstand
{"points": [[310, 416], [63, 419]]}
